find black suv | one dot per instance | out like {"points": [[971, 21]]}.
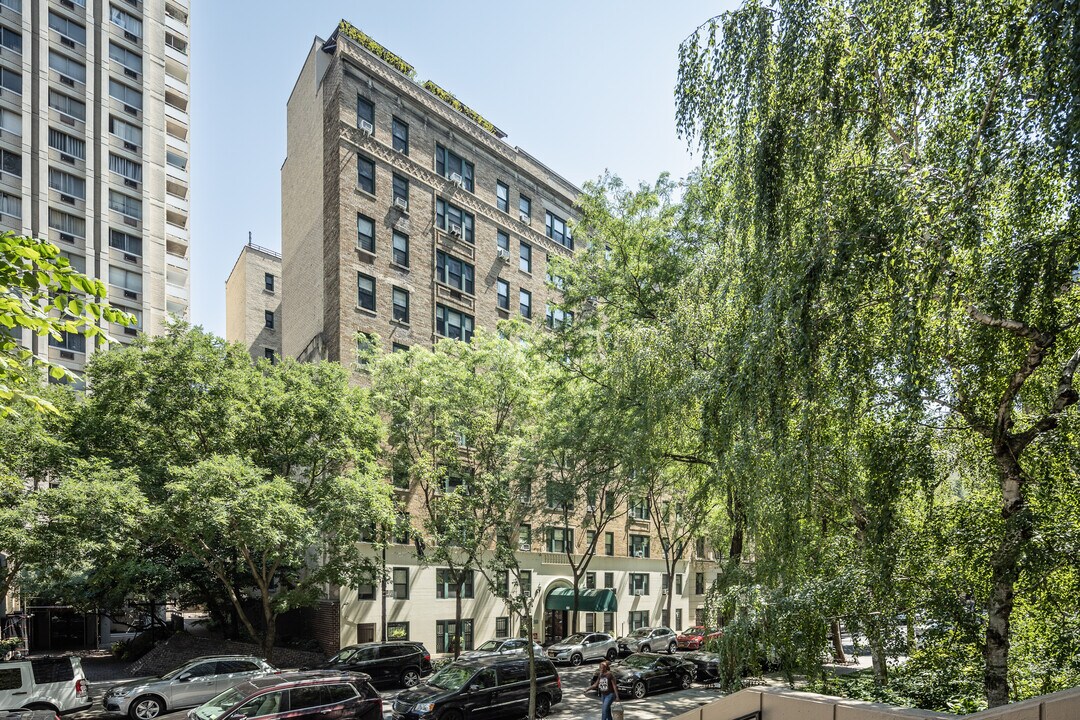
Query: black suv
{"points": [[311, 695], [392, 663], [491, 687]]}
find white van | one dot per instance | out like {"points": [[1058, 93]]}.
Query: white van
{"points": [[46, 683]]}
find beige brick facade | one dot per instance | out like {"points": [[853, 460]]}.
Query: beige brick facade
{"points": [[253, 302]]}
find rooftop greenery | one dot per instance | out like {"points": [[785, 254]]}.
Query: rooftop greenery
{"points": [[462, 108], [394, 61]]}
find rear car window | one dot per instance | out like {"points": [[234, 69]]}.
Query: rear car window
{"points": [[309, 696], [513, 672], [225, 667], [10, 679], [340, 693], [391, 651], [52, 670]]}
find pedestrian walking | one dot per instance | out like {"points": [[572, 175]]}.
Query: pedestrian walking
{"points": [[609, 691]]}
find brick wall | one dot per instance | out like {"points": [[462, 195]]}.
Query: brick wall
{"points": [[326, 626]]}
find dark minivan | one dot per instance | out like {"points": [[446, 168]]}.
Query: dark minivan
{"points": [[308, 695], [481, 689], [390, 663]]}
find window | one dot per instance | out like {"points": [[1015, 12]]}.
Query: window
{"points": [[125, 21], [445, 588], [609, 543], [77, 261], [268, 353], [699, 546], [69, 341], [125, 279], [556, 230], [176, 160], [609, 580], [400, 132], [365, 110], [11, 163], [502, 584], [590, 581], [590, 622], [125, 242], [678, 617], [639, 509], [12, 81], [401, 583], [502, 290], [64, 105], [502, 239], [401, 249], [365, 348], [365, 174], [397, 630], [125, 205], [10, 39], [525, 258], [398, 347], [67, 144], [609, 622], [525, 537], [128, 59], [402, 525], [10, 121], [268, 319], [556, 318], [268, 282], [560, 540], [67, 67], [365, 291], [67, 184], [401, 305], [639, 546], [126, 131], [446, 635], [639, 619], [127, 169], [175, 43], [67, 28], [453, 324], [10, 205], [449, 163], [11, 679], [401, 189], [663, 582], [502, 627], [678, 585], [448, 217], [502, 196], [69, 224], [699, 583], [365, 591], [126, 95], [453, 272], [525, 303], [365, 233], [525, 582]]}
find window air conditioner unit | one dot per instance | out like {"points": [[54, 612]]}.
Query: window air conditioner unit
{"points": [[67, 355], [67, 238], [502, 254], [64, 157], [525, 547], [590, 508], [131, 221], [67, 199], [401, 204], [637, 592], [130, 258], [65, 80], [131, 37], [131, 110], [131, 73], [455, 230], [524, 217], [131, 183], [131, 331], [69, 4], [131, 294], [366, 127], [664, 591], [67, 41], [639, 553], [131, 146], [457, 179]]}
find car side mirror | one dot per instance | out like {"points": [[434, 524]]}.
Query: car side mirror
{"points": [[184, 678]]}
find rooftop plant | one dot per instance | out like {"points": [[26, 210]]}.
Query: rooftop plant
{"points": [[354, 33], [462, 108]]}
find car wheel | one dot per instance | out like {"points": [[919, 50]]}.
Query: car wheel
{"points": [[146, 707], [42, 706], [685, 681], [543, 706], [639, 690], [575, 659], [410, 678], [672, 648], [611, 655]]}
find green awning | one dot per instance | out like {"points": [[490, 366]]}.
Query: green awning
{"points": [[588, 600]]}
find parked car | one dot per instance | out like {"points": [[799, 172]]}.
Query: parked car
{"points": [[580, 647], [643, 673], [512, 646], [54, 684], [706, 665], [491, 687], [400, 663], [694, 638], [307, 695], [191, 684], [649, 639], [28, 715]]}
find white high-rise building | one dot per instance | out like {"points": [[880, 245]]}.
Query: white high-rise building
{"points": [[94, 149]]}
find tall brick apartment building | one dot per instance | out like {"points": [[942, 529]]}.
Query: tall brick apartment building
{"points": [[406, 215]]}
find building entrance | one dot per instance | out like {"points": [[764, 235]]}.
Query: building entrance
{"points": [[556, 623]]}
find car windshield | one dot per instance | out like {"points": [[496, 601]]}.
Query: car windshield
{"points": [[573, 640], [344, 656], [694, 631], [491, 645], [451, 677], [174, 672], [638, 662], [640, 632], [213, 709]]}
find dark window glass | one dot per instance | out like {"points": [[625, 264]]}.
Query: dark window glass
{"points": [[448, 216], [340, 693], [401, 188], [609, 580], [365, 291], [401, 589], [10, 39], [453, 324], [449, 163], [503, 293], [401, 305], [227, 667], [52, 670], [268, 353], [268, 316], [513, 672], [453, 272], [502, 196], [268, 279], [401, 249], [556, 230], [525, 303], [308, 697], [10, 679], [525, 258], [365, 169], [202, 670], [400, 132], [262, 705], [68, 341], [365, 233], [502, 239], [365, 110], [125, 242], [525, 205]]}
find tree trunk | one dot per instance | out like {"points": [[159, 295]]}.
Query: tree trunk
{"points": [[269, 629], [837, 642], [527, 612], [1005, 571], [877, 652], [670, 595]]}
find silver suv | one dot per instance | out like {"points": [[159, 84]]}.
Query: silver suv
{"points": [[649, 639], [512, 646], [580, 647], [187, 686], [56, 684]]}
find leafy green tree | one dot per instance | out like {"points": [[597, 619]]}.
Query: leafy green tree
{"points": [[43, 295]]}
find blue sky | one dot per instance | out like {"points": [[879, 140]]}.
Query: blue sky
{"points": [[584, 86]]}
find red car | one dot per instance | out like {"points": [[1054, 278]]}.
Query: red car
{"points": [[694, 638]]}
